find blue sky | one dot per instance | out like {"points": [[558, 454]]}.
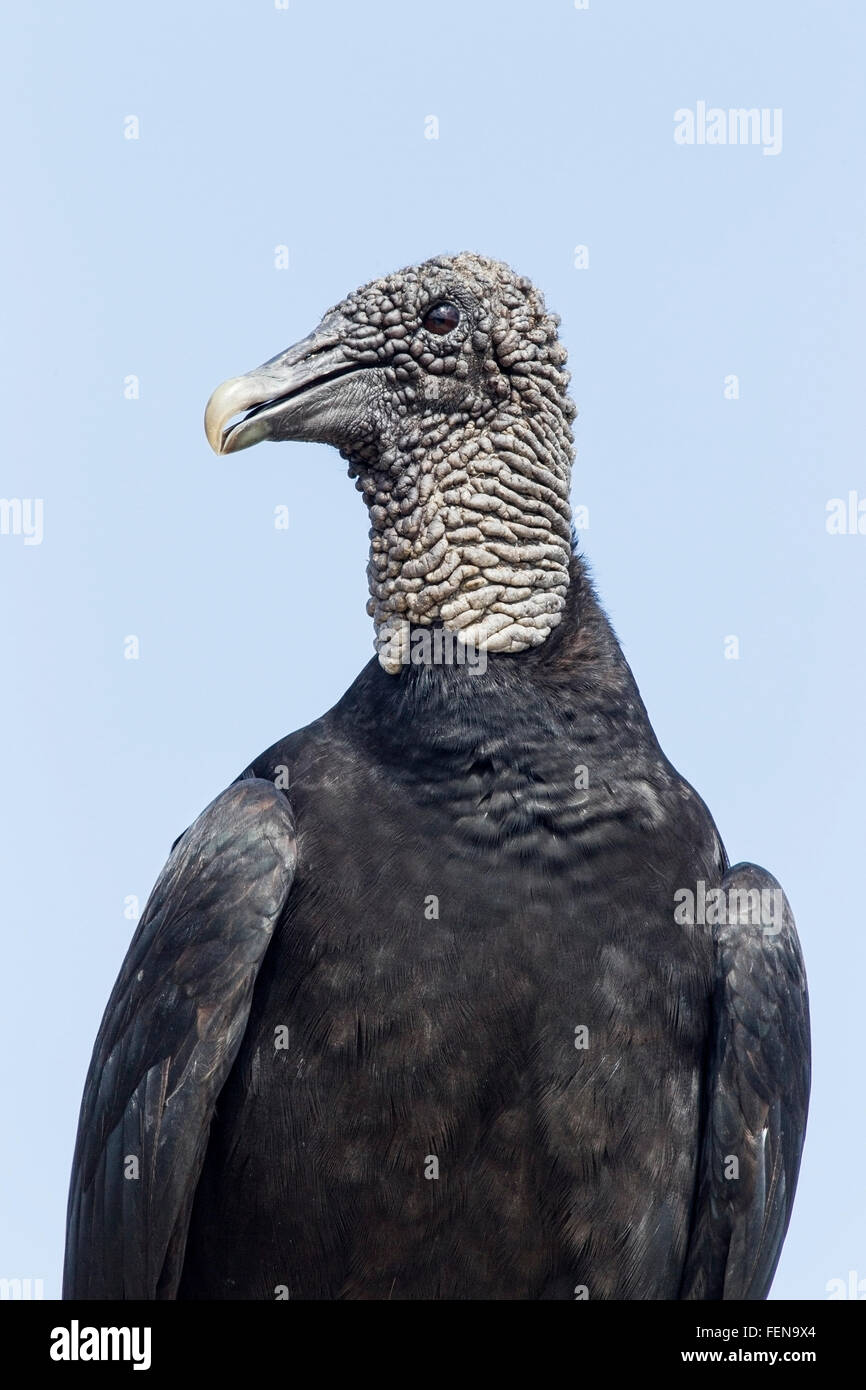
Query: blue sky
{"points": [[155, 258]]}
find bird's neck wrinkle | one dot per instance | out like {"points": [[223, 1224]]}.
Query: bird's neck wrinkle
{"points": [[470, 533]]}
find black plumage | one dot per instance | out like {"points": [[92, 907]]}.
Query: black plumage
{"points": [[410, 1015]]}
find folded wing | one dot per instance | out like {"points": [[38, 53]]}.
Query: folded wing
{"points": [[168, 1039], [756, 1094]]}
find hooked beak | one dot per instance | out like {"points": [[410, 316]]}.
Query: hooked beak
{"points": [[288, 397]]}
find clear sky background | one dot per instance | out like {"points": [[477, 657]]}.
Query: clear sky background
{"points": [[305, 127]]}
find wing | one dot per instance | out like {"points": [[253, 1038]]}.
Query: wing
{"points": [[757, 1095], [167, 1041]]}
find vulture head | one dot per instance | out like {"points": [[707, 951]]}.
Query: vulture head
{"points": [[444, 387]]}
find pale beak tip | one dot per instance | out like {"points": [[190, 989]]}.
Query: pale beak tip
{"points": [[213, 421], [229, 399]]}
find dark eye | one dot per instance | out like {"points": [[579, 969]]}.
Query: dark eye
{"points": [[441, 318]]}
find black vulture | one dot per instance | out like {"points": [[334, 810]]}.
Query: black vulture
{"points": [[452, 994]]}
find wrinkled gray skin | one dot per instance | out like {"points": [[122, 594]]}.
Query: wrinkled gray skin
{"points": [[409, 1013], [461, 445]]}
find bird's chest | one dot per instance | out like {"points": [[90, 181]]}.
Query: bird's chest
{"points": [[469, 987], [433, 933]]}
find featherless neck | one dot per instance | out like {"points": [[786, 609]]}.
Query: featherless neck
{"points": [[471, 530]]}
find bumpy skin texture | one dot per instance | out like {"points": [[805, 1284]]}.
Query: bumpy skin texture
{"points": [[409, 1013], [468, 498]]}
